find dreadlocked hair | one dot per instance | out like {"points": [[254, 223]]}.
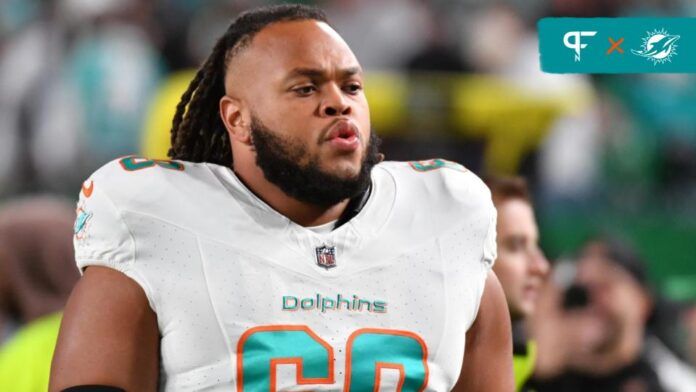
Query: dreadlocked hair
{"points": [[198, 133]]}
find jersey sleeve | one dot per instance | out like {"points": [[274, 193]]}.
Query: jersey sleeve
{"points": [[101, 236], [490, 247], [483, 268], [461, 212]]}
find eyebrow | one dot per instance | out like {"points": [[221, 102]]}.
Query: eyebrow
{"points": [[514, 237], [315, 73]]}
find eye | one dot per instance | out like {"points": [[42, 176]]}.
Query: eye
{"points": [[353, 88], [305, 91], [515, 245]]}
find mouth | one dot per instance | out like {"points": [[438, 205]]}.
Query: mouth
{"points": [[531, 291], [344, 136]]}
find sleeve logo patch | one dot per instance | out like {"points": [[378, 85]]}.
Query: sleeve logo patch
{"points": [[82, 222]]}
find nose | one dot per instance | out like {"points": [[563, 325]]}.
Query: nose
{"points": [[539, 263], [334, 103]]}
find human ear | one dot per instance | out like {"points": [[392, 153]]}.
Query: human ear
{"points": [[233, 116]]}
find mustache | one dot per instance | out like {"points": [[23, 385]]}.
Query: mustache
{"points": [[286, 162]]}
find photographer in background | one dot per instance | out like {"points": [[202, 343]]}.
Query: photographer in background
{"points": [[593, 335], [521, 266]]}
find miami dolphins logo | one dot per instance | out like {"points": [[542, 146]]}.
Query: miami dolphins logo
{"points": [[659, 47], [81, 222]]}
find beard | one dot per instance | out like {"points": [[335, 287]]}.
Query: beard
{"points": [[284, 163]]}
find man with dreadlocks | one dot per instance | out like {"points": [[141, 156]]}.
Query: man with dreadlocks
{"points": [[275, 250]]}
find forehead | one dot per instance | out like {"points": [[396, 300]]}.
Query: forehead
{"points": [[516, 215], [283, 46], [593, 263]]}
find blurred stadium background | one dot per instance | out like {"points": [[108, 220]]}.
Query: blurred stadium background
{"points": [[85, 81]]}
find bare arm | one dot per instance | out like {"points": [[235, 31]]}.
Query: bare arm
{"points": [[488, 355], [108, 336]]}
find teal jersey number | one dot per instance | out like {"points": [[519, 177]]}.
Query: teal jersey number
{"points": [[432, 164], [261, 349], [136, 163], [370, 350]]}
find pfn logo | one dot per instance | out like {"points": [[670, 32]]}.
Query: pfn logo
{"points": [[576, 43]]}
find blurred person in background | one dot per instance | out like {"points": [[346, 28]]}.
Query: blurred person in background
{"points": [[691, 330], [75, 83], [113, 69], [383, 34], [594, 336], [37, 274], [30, 72], [521, 266]]}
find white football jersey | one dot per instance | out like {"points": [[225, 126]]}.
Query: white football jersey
{"points": [[247, 300]]}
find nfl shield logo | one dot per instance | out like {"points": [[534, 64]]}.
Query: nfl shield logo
{"points": [[326, 256]]}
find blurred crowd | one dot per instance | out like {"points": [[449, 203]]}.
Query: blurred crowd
{"points": [[85, 81]]}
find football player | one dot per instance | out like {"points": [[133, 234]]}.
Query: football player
{"points": [[521, 266], [274, 251]]}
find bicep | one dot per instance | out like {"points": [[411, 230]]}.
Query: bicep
{"points": [[488, 355], [108, 335]]}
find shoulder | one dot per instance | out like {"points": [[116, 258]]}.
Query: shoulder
{"points": [[439, 182], [133, 171], [124, 188], [440, 198], [132, 182]]}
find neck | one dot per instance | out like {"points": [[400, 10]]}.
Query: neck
{"points": [[302, 213]]}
